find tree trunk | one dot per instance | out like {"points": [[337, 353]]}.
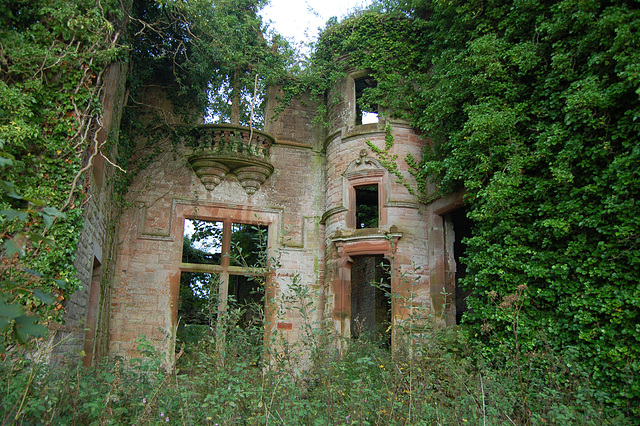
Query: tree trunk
{"points": [[235, 99]]}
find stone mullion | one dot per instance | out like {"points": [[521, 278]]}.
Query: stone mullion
{"points": [[223, 290]]}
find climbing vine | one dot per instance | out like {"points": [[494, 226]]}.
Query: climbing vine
{"points": [[52, 60]]}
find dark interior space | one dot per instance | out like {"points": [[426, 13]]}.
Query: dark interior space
{"points": [[462, 229], [371, 298], [247, 293], [367, 214]]}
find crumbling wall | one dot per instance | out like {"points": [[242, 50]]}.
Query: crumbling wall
{"points": [[166, 191], [96, 243]]}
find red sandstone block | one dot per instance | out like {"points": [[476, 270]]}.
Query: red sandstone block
{"points": [[285, 326]]}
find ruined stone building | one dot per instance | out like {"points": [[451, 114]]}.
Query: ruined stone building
{"points": [[319, 199]]}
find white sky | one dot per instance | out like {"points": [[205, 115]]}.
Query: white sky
{"points": [[299, 20]]}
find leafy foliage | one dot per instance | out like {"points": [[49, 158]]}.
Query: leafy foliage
{"points": [[532, 107], [215, 51], [541, 131], [387, 45], [52, 57], [366, 385]]}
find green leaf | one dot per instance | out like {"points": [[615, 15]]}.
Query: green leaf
{"points": [[37, 238], [10, 189], [12, 214], [26, 327], [6, 159], [48, 220], [32, 272], [52, 211], [36, 202], [11, 310], [12, 248], [61, 284], [44, 297]]}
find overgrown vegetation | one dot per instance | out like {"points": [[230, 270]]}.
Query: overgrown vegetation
{"points": [[52, 60], [531, 109], [215, 52], [440, 380]]}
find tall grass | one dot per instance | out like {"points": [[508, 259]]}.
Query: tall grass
{"points": [[441, 380]]}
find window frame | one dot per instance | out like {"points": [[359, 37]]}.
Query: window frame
{"points": [[359, 189], [358, 112], [372, 177], [225, 269]]}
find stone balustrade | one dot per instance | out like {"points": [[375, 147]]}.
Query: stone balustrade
{"points": [[230, 139], [223, 149]]}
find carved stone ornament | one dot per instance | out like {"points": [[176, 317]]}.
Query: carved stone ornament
{"points": [[220, 150], [209, 170], [364, 164], [252, 177], [363, 157]]}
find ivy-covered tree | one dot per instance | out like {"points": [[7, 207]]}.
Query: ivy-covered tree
{"points": [[533, 108]]}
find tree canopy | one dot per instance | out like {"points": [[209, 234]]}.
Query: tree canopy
{"points": [[216, 51]]}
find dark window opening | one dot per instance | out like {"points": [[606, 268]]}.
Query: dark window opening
{"points": [[462, 230], [371, 299], [248, 245], [367, 211], [365, 112], [92, 314], [246, 300]]}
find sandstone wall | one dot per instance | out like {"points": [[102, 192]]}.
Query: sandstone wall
{"points": [[163, 194], [87, 311], [402, 233]]}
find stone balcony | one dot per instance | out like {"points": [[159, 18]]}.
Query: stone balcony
{"points": [[220, 150]]}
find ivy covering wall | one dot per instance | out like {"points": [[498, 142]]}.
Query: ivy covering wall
{"points": [[53, 56], [532, 109]]}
